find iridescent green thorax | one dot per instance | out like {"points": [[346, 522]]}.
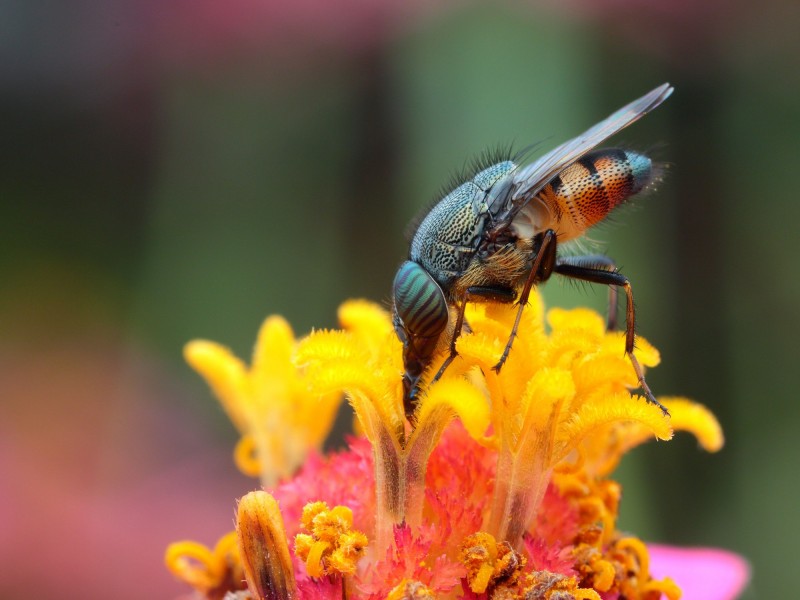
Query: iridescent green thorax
{"points": [[448, 237]]}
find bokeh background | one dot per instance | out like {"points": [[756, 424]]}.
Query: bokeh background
{"points": [[172, 170]]}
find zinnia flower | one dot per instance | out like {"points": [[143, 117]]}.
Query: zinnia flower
{"points": [[497, 487]]}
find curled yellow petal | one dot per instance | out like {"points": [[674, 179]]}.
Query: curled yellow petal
{"points": [[245, 455], [696, 419], [665, 586], [603, 575], [463, 398], [194, 564], [605, 409]]}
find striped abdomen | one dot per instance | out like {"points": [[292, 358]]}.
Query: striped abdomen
{"points": [[419, 301], [586, 191]]}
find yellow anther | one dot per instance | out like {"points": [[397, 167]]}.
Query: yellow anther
{"points": [[331, 546], [310, 511], [487, 560], [314, 559]]}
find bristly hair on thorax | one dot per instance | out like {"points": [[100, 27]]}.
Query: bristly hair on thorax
{"points": [[472, 166]]}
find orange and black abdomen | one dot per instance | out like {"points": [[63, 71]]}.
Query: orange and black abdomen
{"points": [[586, 191]]}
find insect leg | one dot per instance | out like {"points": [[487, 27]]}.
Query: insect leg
{"points": [[498, 294], [541, 268], [599, 262], [613, 278]]}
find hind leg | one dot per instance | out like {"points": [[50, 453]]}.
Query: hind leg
{"points": [[615, 280]]}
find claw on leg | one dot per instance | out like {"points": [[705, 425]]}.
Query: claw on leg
{"points": [[648, 394]]}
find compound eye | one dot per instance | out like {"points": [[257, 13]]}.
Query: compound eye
{"points": [[419, 301]]}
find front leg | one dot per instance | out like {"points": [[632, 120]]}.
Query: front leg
{"points": [[497, 294], [541, 268]]}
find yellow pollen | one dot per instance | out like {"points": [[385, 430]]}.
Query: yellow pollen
{"points": [[487, 561], [547, 585], [331, 545], [314, 559], [410, 590]]}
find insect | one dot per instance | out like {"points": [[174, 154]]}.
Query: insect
{"points": [[496, 236]]}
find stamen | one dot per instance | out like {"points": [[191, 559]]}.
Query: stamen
{"points": [[489, 562], [331, 546]]}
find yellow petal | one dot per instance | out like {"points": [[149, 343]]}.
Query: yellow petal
{"points": [[365, 319], [576, 319], [225, 374], [463, 398], [696, 419], [322, 346], [603, 370], [605, 409], [273, 350], [378, 425], [480, 349], [647, 354], [546, 390]]}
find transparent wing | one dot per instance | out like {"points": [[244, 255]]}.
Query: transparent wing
{"points": [[529, 180]]}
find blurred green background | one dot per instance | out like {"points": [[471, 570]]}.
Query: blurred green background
{"points": [[179, 170]]}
